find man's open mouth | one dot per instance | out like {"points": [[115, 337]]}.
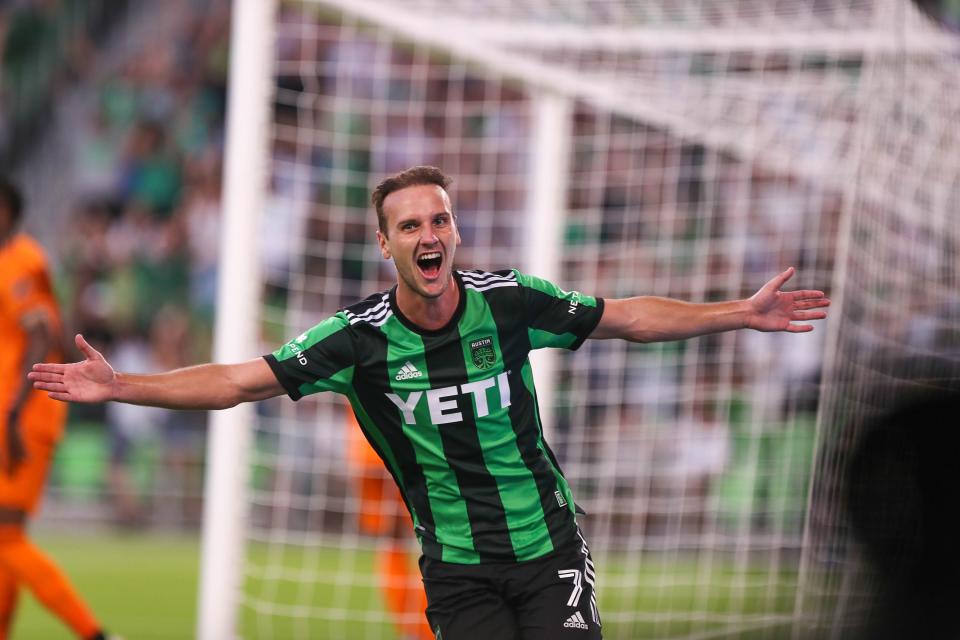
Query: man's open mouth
{"points": [[429, 263]]}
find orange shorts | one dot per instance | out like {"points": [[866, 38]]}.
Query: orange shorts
{"points": [[41, 425]]}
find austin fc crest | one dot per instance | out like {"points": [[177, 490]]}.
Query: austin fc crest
{"points": [[483, 353]]}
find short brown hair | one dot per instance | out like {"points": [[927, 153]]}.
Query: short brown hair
{"points": [[406, 178]]}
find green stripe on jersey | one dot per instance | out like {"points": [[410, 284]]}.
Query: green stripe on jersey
{"points": [[309, 338], [452, 524], [552, 290], [540, 339], [340, 380], [501, 454]]}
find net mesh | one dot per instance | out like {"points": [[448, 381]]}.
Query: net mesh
{"points": [[713, 144]]}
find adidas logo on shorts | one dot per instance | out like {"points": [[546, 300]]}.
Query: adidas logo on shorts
{"points": [[576, 621], [408, 371]]}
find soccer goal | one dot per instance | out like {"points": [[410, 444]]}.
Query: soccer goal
{"points": [[682, 148]]}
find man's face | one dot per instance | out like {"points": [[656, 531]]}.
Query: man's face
{"points": [[421, 238]]}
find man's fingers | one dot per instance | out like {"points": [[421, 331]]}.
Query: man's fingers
{"points": [[39, 376], [808, 315], [806, 294], [49, 367], [56, 387], [62, 397], [86, 349], [799, 328], [811, 304], [779, 280]]}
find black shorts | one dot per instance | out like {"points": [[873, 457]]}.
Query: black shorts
{"points": [[549, 598]]}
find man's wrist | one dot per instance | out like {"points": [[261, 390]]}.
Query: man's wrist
{"points": [[117, 386], [746, 312]]}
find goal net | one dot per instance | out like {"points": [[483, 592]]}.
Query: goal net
{"points": [[689, 149]]}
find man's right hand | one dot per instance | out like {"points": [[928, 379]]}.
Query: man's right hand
{"points": [[92, 380]]}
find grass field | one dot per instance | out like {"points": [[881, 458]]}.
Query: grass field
{"points": [[145, 588]]}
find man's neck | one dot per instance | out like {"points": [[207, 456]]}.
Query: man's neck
{"points": [[429, 313]]}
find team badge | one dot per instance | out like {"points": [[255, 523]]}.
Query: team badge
{"points": [[483, 354]]}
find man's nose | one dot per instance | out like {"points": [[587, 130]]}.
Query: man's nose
{"points": [[427, 235]]}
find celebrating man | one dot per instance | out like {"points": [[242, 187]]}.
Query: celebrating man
{"points": [[437, 372]]}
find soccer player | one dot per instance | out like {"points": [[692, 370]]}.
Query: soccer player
{"points": [[436, 370], [32, 424]]}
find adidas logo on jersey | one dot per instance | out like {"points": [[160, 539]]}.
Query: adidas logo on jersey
{"points": [[408, 371], [576, 621]]}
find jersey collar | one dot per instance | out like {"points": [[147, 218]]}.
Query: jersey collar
{"points": [[454, 320]]}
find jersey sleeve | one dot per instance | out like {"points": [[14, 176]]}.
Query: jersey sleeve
{"points": [[322, 359], [557, 318]]}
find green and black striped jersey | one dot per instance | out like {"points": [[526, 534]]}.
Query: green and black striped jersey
{"points": [[453, 412]]}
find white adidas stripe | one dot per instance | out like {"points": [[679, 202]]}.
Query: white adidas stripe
{"points": [[486, 275], [374, 310], [495, 285], [371, 310], [381, 321], [375, 315], [483, 278], [590, 577]]}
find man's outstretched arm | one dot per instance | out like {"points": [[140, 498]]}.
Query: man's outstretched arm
{"points": [[205, 386], [655, 319]]}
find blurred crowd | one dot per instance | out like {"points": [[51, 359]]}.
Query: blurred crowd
{"points": [[45, 45], [138, 256], [656, 436], [649, 213]]}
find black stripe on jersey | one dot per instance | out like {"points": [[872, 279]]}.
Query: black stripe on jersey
{"points": [[461, 446], [503, 305], [374, 342], [292, 375]]}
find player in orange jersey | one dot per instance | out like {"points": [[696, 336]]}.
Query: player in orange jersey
{"points": [[30, 424], [383, 514]]}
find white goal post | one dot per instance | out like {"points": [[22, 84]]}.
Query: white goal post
{"points": [[237, 330]]}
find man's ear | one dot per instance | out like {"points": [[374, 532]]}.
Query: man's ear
{"points": [[382, 241]]}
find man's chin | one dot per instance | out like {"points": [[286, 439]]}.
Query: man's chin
{"points": [[433, 289], [429, 288]]}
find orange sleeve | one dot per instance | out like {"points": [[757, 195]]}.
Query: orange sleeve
{"points": [[29, 290], [25, 290]]}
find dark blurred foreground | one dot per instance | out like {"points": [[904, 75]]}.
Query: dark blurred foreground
{"points": [[902, 494]]}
